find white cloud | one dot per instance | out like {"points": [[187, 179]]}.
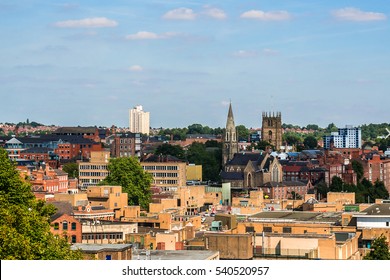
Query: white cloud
{"points": [[180, 14], [266, 16], [215, 13], [146, 35], [354, 14], [87, 22], [243, 53], [270, 52], [136, 68]]}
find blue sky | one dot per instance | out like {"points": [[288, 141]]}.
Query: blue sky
{"points": [[88, 62]]}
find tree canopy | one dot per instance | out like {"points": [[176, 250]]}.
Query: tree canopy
{"points": [[379, 249], [128, 173], [25, 222]]}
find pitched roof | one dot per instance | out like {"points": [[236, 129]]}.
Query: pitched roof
{"points": [[244, 158], [13, 141], [232, 175], [63, 207], [37, 150]]}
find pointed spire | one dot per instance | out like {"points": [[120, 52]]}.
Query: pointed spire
{"points": [[230, 117]]}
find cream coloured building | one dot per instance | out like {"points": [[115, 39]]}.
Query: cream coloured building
{"points": [[139, 121], [94, 171]]}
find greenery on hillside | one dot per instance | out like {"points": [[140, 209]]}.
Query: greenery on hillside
{"points": [[25, 222]]}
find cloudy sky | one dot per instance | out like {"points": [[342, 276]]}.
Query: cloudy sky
{"points": [[88, 62]]}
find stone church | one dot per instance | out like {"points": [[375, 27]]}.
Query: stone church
{"points": [[271, 129], [248, 170]]}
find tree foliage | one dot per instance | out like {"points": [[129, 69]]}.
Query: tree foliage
{"points": [[379, 249], [209, 157], [310, 142], [358, 168], [72, 169], [168, 149], [128, 173], [25, 222], [242, 132], [364, 191]]}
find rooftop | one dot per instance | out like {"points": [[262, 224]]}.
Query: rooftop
{"points": [[173, 255], [297, 216]]}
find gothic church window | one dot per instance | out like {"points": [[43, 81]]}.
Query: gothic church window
{"points": [[275, 174]]}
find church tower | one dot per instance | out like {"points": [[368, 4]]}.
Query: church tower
{"points": [[230, 143], [271, 129]]}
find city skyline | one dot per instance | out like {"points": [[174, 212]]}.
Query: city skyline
{"points": [[87, 63]]}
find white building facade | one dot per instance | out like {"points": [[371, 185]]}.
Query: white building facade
{"points": [[139, 121], [348, 137]]}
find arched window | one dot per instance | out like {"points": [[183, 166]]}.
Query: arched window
{"points": [[275, 174], [249, 178], [65, 225], [270, 135]]}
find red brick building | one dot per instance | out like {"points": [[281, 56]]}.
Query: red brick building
{"points": [[77, 148], [126, 145], [63, 223]]}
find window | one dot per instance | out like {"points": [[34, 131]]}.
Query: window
{"points": [[73, 226], [65, 225], [74, 239], [249, 229], [267, 229], [56, 226], [286, 229]]}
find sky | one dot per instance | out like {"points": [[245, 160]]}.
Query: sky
{"points": [[88, 62]]}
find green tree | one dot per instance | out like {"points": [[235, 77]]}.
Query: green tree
{"points": [[312, 127], [322, 189], [128, 173], [210, 159], [172, 150], [72, 169], [336, 184], [25, 222], [310, 142], [358, 168], [331, 128], [242, 132], [379, 249], [291, 138]]}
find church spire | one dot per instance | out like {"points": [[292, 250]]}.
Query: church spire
{"points": [[230, 117], [230, 143]]}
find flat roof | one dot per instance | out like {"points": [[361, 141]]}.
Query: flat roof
{"points": [[94, 248], [297, 216], [173, 254]]}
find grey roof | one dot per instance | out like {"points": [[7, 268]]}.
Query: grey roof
{"points": [[298, 216], [60, 172], [37, 150], [378, 210], [285, 183], [244, 158], [63, 207], [173, 254], [232, 175], [95, 248], [13, 141]]}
